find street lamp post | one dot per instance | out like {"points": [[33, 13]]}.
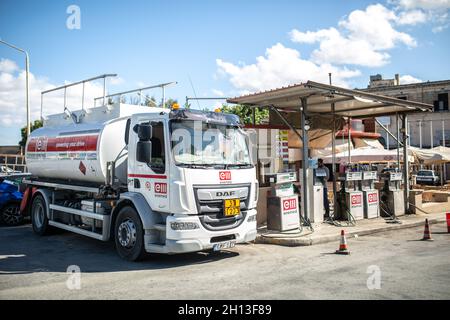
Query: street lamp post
{"points": [[27, 88]]}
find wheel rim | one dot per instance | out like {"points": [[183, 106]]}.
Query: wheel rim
{"points": [[126, 233], [11, 215], [38, 215]]}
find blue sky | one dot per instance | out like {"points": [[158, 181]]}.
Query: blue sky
{"points": [[217, 43]]}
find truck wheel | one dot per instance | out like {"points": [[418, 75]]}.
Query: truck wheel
{"points": [[39, 219], [129, 235], [10, 215]]}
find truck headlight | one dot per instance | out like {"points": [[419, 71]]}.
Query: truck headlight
{"points": [[252, 218], [184, 225]]}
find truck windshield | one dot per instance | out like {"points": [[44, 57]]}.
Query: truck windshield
{"points": [[198, 143]]}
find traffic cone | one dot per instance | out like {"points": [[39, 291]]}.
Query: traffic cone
{"points": [[343, 245], [426, 232]]}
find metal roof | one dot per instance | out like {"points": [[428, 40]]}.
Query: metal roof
{"points": [[348, 102]]}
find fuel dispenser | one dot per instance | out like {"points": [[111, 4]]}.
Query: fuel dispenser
{"points": [[282, 204], [315, 183], [351, 196], [392, 195], [370, 194]]}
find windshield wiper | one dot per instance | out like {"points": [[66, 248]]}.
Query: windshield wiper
{"points": [[239, 165]]}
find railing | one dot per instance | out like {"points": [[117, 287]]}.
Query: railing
{"points": [[103, 76], [163, 87], [12, 162]]}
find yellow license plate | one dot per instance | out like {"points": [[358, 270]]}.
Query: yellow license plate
{"points": [[231, 207]]}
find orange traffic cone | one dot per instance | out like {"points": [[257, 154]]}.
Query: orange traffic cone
{"points": [[343, 245], [426, 232]]}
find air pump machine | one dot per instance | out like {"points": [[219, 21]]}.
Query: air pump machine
{"points": [[370, 194], [392, 194], [352, 194], [282, 204]]}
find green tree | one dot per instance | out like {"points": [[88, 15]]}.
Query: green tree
{"points": [[150, 101], [246, 113], [37, 124]]}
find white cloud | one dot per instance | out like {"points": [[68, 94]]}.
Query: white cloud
{"points": [[363, 38], [281, 66], [424, 4], [12, 97], [375, 26], [408, 79], [412, 17], [436, 11], [7, 66]]}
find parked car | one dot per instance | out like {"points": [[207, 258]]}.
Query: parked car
{"points": [[427, 177], [10, 198]]}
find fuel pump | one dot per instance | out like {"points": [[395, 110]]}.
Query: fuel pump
{"points": [[351, 196], [316, 179], [370, 194], [282, 204], [392, 195]]}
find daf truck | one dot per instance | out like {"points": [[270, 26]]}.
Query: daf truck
{"points": [[156, 180]]}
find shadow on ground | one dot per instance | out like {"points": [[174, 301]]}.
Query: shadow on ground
{"points": [[22, 251]]}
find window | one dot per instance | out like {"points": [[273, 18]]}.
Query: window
{"points": [[441, 104], [158, 161]]}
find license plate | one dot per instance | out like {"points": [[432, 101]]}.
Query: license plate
{"points": [[224, 245], [231, 207]]}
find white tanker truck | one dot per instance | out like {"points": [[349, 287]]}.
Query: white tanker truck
{"points": [[152, 179]]}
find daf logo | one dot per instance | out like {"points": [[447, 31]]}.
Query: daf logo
{"points": [[225, 193]]}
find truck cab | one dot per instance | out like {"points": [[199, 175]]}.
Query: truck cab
{"points": [[194, 170]]}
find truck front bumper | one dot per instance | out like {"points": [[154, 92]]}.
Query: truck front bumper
{"points": [[200, 239]]}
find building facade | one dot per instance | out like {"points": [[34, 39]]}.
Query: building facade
{"points": [[426, 130]]}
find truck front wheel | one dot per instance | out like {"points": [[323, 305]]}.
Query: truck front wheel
{"points": [[129, 235], [39, 218]]}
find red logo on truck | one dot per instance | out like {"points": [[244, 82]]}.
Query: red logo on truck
{"points": [[224, 175], [356, 199], [289, 204], [161, 187]]}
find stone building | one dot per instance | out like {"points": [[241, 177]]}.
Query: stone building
{"points": [[426, 129]]}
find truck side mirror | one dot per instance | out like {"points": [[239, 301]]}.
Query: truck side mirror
{"points": [[144, 131], [144, 151]]}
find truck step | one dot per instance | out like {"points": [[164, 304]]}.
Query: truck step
{"points": [[160, 227], [156, 248]]}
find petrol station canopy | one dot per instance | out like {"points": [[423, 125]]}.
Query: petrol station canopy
{"points": [[320, 98]]}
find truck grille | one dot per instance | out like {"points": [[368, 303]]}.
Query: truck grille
{"points": [[211, 210]]}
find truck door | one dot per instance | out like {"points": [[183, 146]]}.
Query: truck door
{"points": [[150, 179]]}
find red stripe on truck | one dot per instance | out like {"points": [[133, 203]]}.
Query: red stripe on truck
{"points": [[147, 176], [63, 144]]}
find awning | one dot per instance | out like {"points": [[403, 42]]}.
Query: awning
{"points": [[348, 102]]}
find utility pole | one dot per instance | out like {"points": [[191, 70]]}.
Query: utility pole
{"points": [[27, 87]]}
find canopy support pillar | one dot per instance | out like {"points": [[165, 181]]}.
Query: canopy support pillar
{"points": [[405, 162], [303, 110], [333, 158]]}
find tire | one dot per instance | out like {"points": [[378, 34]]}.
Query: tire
{"points": [[39, 220], [10, 214], [129, 235]]}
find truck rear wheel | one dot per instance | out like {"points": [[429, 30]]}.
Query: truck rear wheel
{"points": [[129, 235], [39, 218]]}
